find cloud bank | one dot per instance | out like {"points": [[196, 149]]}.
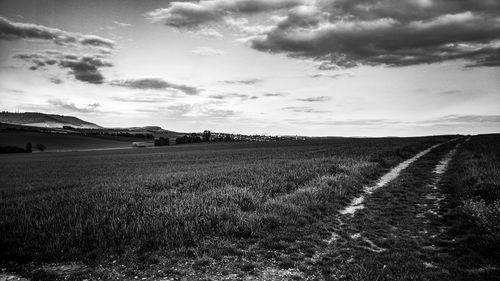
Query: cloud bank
{"points": [[349, 33], [85, 68], [68, 106], [393, 33], [155, 84], [192, 14], [10, 30]]}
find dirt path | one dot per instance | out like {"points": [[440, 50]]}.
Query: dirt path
{"points": [[383, 218], [404, 231], [362, 230], [357, 203], [393, 231]]}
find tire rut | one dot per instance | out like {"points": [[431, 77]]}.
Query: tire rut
{"points": [[392, 217]]}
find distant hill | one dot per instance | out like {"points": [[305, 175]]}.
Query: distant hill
{"points": [[37, 119]]}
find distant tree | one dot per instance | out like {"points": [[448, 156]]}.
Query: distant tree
{"points": [[161, 141], [40, 146], [206, 135], [183, 139], [193, 138], [28, 147]]}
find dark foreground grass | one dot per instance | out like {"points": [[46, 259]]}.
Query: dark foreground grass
{"points": [[475, 183], [95, 206], [421, 226], [474, 186], [387, 240]]}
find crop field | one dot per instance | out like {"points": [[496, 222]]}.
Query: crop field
{"points": [[54, 142], [250, 211]]}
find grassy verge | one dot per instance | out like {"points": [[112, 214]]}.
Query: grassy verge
{"points": [[474, 186], [475, 181]]}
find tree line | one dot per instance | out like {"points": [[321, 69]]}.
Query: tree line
{"points": [[27, 149]]}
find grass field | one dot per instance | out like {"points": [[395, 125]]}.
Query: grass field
{"points": [[234, 205], [57, 142]]}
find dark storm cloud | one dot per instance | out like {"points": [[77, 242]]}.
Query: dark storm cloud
{"points": [[245, 81], [349, 33], [16, 30], [191, 14], [388, 32], [316, 99], [85, 68], [407, 10], [155, 84], [72, 107]]}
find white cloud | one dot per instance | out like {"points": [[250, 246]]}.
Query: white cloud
{"points": [[209, 33], [207, 51]]}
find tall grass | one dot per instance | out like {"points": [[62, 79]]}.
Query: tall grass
{"points": [[92, 205], [476, 184]]}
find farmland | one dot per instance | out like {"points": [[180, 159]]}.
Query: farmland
{"points": [[222, 208], [62, 142]]}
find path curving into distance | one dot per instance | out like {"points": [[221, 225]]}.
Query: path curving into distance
{"points": [[357, 203], [406, 229]]}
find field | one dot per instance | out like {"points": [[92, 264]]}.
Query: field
{"points": [[62, 142], [255, 211]]}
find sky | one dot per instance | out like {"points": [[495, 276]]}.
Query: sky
{"points": [[276, 67]]}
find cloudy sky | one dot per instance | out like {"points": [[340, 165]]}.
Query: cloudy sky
{"points": [[307, 67]]}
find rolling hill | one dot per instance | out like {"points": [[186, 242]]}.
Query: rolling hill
{"points": [[43, 120]]}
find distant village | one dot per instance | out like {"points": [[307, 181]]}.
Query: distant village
{"points": [[206, 136]]}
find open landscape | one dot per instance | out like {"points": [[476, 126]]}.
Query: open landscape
{"points": [[256, 211], [249, 140]]}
